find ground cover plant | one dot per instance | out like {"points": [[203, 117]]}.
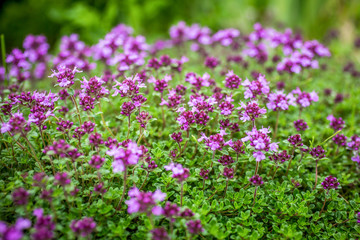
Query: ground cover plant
{"points": [[205, 135]]}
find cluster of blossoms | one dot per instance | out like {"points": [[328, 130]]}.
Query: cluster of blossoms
{"points": [[330, 182], [215, 142], [280, 157], [44, 226], [317, 152], [260, 141], [279, 101], [256, 180], [304, 99], [256, 88], [232, 81], [300, 125], [179, 172], [250, 111], [124, 156], [145, 202], [83, 227], [65, 76], [74, 53], [14, 232], [296, 140], [197, 81], [336, 123]]}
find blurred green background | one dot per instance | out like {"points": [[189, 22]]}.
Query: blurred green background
{"points": [[92, 19]]}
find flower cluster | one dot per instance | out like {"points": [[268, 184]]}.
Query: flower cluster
{"points": [[260, 141], [124, 156], [145, 202], [330, 182], [179, 172]]}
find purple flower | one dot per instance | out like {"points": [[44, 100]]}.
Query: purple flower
{"points": [[256, 88], [171, 210], [201, 118], [83, 227], [187, 213], [228, 172], [238, 146], [20, 196], [295, 140], [204, 173], [340, 139], [64, 125], [278, 101], [145, 202], [96, 161], [100, 188], [62, 179], [226, 160], [44, 226], [214, 142], [86, 102], [14, 232], [65, 76], [250, 111], [256, 180], [88, 126], [94, 87], [280, 157], [330, 182], [127, 108], [194, 227], [318, 152], [177, 137], [123, 157], [159, 234], [160, 85], [226, 106], [179, 172], [232, 81], [173, 101], [260, 141], [336, 123], [304, 99], [16, 124], [211, 62], [60, 148], [96, 139], [129, 87], [300, 125]]}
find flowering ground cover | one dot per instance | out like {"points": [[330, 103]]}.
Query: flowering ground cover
{"points": [[204, 135]]}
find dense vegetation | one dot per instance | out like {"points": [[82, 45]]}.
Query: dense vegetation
{"points": [[205, 135]]}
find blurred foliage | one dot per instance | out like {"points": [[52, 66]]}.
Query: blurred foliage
{"points": [[92, 19]]}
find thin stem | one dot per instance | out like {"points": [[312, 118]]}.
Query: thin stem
{"points": [[77, 108], [227, 184], [103, 120], [323, 206], [257, 167], [203, 184], [316, 174], [123, 194], [127, 136], [182, 193], [276, 124], [147, 175], [271, 170], [275, 172], [254, 196], [141, 135], [163, 116]]}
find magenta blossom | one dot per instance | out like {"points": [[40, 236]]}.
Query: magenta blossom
{"points": [[304, 99], [145, 202], [250, 111], [260, 141], [256, 88], [279, 101], [124, 156], [65, 76], [179, 172]]}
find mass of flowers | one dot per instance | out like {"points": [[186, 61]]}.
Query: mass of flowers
{"points": [[203, 135]]}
